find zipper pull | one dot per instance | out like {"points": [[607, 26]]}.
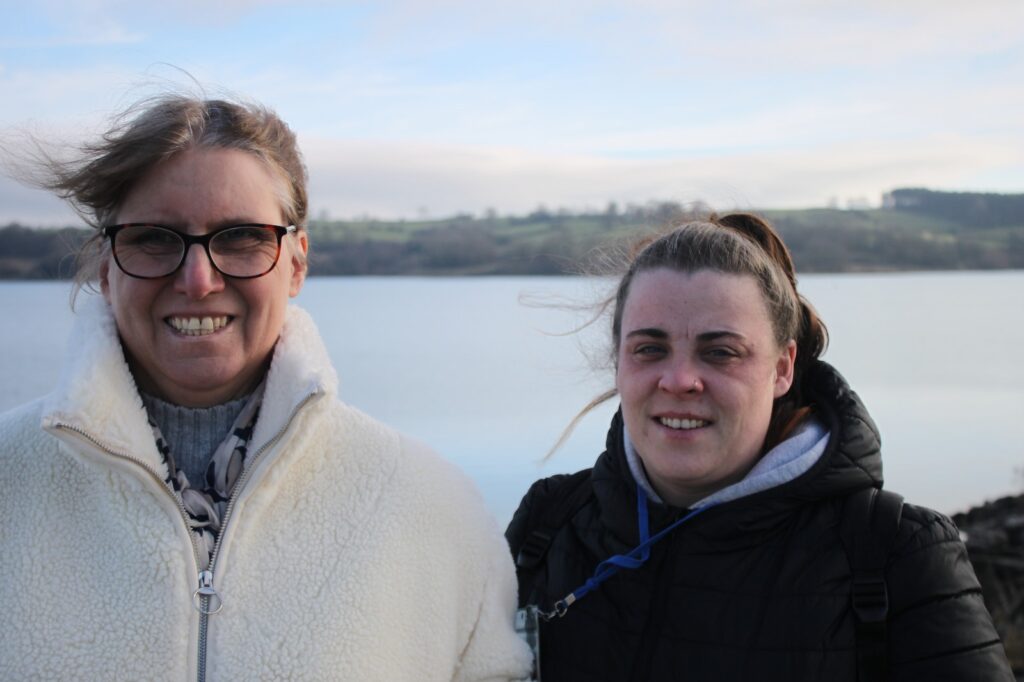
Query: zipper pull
{"points": [[202, 597]]}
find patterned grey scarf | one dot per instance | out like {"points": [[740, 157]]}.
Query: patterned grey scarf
{"points": [[206, 501]]}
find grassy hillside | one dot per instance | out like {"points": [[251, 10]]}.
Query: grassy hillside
{"points": [[909, 235]]}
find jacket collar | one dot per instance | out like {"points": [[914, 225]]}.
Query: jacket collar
{"points": [[301, 368], [97, 397], [852, 460]]}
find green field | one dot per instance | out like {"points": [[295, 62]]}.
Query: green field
{"points": [[923, 231]]}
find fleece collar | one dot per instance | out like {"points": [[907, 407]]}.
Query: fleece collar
{"points": [[97, 397]]}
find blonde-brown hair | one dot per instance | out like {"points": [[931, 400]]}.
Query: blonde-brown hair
{"points": [[102, 175]]}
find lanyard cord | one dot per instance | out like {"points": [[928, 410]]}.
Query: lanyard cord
{"points": [[635, 558]]}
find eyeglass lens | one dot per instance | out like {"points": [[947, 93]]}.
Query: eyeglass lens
{"points": [[151, 251]]}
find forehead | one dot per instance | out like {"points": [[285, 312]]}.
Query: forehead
{"points": [[691, 303], [202, 186]]}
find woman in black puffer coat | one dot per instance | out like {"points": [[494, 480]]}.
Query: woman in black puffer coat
{"points": [[731, 428]]}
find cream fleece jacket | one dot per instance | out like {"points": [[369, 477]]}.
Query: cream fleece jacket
{"points": [[351, 552]]}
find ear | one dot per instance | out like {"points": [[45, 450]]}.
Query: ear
{"points": [[784, 369], [300, 250], [105, 278]]}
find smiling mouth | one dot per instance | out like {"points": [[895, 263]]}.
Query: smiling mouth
{"points": [[198, 326], [683, 424]]}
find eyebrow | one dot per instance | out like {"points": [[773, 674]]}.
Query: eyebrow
{"points": [[218, 225], [653, 332], [182, 227], [656, 333], [231, 222], [713, 336]]}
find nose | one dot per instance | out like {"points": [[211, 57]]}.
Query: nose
{"points": [[681, 377], [197, 278]]}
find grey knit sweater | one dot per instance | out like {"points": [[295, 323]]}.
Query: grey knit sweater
{"points": [[193, 433]]}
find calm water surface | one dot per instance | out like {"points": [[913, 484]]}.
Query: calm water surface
{"points": [[464, 365]]}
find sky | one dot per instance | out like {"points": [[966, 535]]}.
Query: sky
{"points": [[416, 109]]}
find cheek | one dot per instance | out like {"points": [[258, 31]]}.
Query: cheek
{"points": [[634, 388], [266, 304], [117, 292], [760, 409], [133, 301]]}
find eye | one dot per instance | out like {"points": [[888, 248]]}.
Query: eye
{"points": [[148, 237], [243, 238], [250, 232], [648, 351], [721, 353]]}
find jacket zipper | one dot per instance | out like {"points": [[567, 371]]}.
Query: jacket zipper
{"points": [[206, 589]]}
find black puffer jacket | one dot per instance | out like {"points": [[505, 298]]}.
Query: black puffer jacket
{"points": [[758, 588]]}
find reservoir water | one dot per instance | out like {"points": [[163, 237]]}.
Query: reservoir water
{"points": [[477, 370]]}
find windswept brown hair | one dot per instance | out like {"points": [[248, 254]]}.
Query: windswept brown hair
{"points": [[101, 175]]}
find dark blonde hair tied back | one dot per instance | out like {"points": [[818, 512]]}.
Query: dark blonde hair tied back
{"points": [[739, 244]]}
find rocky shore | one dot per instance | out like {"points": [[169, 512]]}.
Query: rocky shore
{"points": [[994, 534]]}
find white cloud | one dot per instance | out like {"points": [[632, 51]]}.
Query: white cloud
{"points": [[59, 98], [809, 35], [756, 35], [32, 207], [390, 179], [456, 105], [85, 15], [106, 35]]}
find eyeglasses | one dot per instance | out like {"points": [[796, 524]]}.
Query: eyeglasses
{"points": [[152, 251]]}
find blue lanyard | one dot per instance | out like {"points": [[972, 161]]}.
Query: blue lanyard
{"points": [[634, 558]]}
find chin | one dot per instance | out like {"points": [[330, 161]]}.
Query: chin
{"points": [[200, 384]]}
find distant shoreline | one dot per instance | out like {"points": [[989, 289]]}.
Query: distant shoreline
{"points": [[916, 230]]}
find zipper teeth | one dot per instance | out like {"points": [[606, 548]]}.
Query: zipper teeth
{"points": [[201, 657], [246, 473], [156, 476], [211, 565]]}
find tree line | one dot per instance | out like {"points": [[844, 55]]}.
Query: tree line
{"points": [[914, 230], [972, 210]]}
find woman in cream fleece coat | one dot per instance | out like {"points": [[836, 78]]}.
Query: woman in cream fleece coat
{"points": [[322, 544]]}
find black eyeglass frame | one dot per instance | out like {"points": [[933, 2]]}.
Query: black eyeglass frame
{"points": [[110, 231]]}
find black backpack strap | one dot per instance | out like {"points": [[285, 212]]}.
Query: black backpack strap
{"points": [[547, 516], [871, 519]]}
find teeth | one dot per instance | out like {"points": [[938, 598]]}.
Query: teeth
{"points": [[198, 326], [682, 423]]}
